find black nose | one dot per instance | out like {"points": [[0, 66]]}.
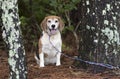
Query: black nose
{"points": [[53, 26]]}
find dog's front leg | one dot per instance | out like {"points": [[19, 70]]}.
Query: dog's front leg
{"points": [[58, 63], [41, 55]]}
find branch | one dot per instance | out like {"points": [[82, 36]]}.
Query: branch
{"points": [[78, 24], [68, 18]]}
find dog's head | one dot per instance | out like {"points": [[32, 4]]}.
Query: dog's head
{"points": [[52, 24]]}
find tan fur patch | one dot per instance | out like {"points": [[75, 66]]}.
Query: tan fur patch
{"points": [[40, 46], [45, 55]]}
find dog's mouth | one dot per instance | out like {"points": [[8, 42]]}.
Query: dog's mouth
{"points": [[53, 31]]}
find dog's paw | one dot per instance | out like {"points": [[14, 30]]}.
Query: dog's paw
{"points": [[42, 65], [58, 64]]}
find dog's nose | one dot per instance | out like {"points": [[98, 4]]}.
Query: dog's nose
{"points": [[53, 26]]}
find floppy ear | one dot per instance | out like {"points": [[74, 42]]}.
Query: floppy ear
{"points": [[61, 25], [44, 24]]}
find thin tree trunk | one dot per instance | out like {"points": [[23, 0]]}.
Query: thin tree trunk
{"points": [[12, 37]]}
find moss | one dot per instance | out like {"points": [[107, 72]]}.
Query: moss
{"points": [[109, 33], [113, 37], [12, 63], [106, 22], [108, 7], [88, 27], [88, 10], [92, 28], [103, 12], [11, 54], [114, 17], [87, 2]]}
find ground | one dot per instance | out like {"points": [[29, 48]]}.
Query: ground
{"points": [[65, 71]]}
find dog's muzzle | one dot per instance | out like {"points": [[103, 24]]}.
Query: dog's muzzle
{"points": [[53, 31]]}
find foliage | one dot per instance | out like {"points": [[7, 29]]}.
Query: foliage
{"points": [[62, 6], [23, 20], [35, 11], [54, 7]]}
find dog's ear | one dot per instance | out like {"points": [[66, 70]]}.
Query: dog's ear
{"points": [[61, 25], [44, 24]]}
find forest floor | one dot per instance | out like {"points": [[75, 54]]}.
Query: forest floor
{"points": [[65, 71]]}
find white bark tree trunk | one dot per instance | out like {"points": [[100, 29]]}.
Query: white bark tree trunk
{"points": [[12, 37]]}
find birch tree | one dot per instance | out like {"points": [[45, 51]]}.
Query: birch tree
{"points": [[101, 20], [12, 36]]}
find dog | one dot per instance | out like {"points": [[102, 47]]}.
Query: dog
{"points": [[48, 54]]}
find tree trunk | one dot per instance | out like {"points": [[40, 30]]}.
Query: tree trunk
{"points": [[12, 37], [101, 20]]}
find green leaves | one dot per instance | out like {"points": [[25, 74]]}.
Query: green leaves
{"points": [[69, 7], [54, 3], [63, 6], [23, 20], [71, 28], [75, 1]]}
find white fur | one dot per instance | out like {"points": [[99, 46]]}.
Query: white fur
{"points": [[51, 22], [53, 55], [48, 48]]}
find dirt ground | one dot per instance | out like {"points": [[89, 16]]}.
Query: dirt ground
{"points": [[65, 71]]}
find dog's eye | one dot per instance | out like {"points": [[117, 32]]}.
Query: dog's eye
{"points": [[49, 21], [56, 21]]}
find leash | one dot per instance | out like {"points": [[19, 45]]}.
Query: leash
{"points": [[88, 62]]}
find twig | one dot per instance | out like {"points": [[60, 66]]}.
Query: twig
{"points": [[78, 24]]}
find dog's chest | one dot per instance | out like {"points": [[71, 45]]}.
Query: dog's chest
{"points": [[50, 44]]}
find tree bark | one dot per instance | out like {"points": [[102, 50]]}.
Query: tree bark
{"points": [[12, 36], [101, 35], [0, 14]]}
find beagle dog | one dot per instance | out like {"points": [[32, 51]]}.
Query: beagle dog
{"points": [[51, 26]]}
